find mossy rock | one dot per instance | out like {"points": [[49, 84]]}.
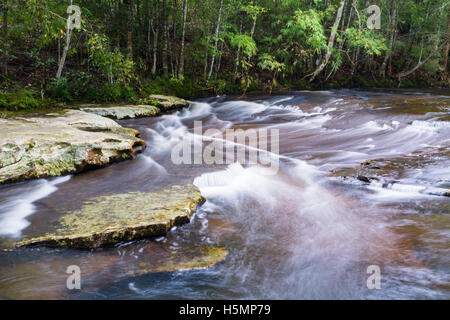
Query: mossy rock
{"points": [[60, 144], [165, 103], [122, 217], [186, 259], [124, 112]]}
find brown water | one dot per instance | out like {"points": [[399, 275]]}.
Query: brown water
{"points": [[302, 233]]}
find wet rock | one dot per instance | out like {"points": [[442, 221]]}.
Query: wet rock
{"points": [[122, 217], [363, 179], [124, 112], [388, 174], [368, 171], [190, 258], [151, 106], [47, 277], [61, 144], [165, 103]]}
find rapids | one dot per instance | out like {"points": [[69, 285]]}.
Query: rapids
{"points": [[294, 231]]}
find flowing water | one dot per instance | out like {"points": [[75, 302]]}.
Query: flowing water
{"points": [[294, 231]]}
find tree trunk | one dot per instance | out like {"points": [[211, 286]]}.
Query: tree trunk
{"points": [[129, 5], [330, 42], [393, 26], [205, 67], [166, 40], [420, 64], [155, 49], [149, 29], [216, 35], [218, 64], [64, 55], [446, 50], [401, 75], [183, 33], [5, 38], [117, 25], [355, 60], [174, 58], [252, 32], [238, 55]]}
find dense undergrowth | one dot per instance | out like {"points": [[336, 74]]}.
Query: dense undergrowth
{"points": [[79, 88]]}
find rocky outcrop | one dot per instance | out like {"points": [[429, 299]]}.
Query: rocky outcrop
{"points": [[190, 258], [61, 144], [124, 112], [388, 174], [165, 103], [152, 106], [121, 217]]}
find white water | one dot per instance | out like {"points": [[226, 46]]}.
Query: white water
{"points": [[292, 233], [306, 239], [14, 212]]}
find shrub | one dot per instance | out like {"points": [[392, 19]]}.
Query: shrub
{"points": [[24, 100], [111, 93], [58, 89]]}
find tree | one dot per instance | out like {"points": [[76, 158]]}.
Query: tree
{"points": [[216, 40], [330, 42], [183, 33], [129, 8], [66, 48], [4, 48]]}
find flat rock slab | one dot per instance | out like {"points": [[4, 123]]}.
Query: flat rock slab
{"points": [[166, 103], [116, 218], [152, 106], [61, 144], [190, 258], [124, 112]]}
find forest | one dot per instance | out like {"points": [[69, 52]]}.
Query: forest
{"points": [[126, 49]]}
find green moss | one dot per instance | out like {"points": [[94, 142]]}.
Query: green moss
{"points": [[39, 147], [24, 100], [181, 260], [163, 102], [124, 112], [122, 217]]}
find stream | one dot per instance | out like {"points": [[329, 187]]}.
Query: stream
{"points": [[298, 230]]}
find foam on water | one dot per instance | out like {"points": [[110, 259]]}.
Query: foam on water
{"points": [[291, 227], [168, 132], [154, 164], [197, 110], [375, 126], [242, 108], [13, 214]]}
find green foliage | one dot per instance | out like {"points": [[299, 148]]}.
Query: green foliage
{"points": [[268, 62], [370, 41], [59, 90], [111, 58], [117, 93], [245, 42], [111, 92], [307, 26], [111, 64], [24, 100]]}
